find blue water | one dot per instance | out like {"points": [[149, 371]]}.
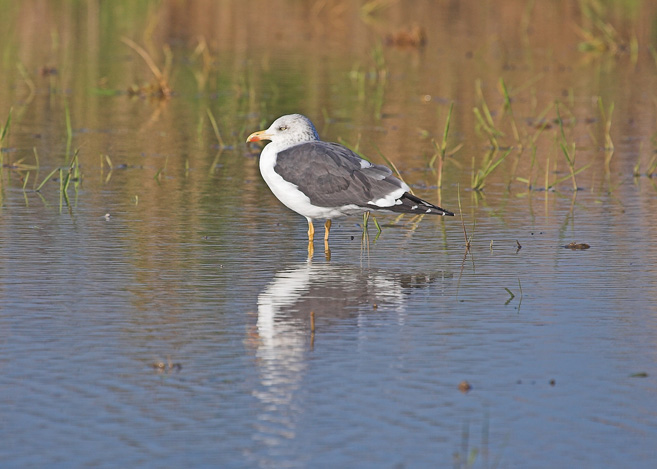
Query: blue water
{"points": [[159, 313], [91, 306]]}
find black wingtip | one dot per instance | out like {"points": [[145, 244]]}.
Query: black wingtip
{"points": [[419, 206]]}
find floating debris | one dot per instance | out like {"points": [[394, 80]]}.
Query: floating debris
{"points": [[464, 386], [155, 89], [48, 71], [511, 296], [415, 37], [577, 246], [168, 367]]}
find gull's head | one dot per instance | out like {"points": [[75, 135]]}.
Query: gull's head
{"points": [[287, 131]]}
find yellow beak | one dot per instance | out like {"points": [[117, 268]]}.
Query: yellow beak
{"points": [[257, 136]]}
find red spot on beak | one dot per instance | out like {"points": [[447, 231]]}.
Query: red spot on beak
{"points": [[256, 136]]}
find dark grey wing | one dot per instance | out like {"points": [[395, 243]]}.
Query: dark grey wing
{"points": [[333, 176]]}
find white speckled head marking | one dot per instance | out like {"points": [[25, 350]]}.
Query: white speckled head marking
{"points": [[287, 131]]}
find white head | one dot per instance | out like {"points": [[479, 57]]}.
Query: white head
{"points": [[287, 131]]}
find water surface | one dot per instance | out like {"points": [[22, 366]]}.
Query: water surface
{"points": [[158, 311]]}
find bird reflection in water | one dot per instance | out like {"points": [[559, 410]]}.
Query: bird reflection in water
{"points": [[340, 297]]}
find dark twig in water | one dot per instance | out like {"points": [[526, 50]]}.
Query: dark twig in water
{"points": [[465, 232], [512, 295], [577, 246]]}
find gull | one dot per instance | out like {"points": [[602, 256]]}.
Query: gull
{"points": [[322, 180]]}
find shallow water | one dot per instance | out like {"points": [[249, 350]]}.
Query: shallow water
{"points": [[159, 313]]}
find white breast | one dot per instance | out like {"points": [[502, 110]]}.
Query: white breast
{"points": [[290, 195]]}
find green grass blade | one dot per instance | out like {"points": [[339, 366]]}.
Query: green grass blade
{"points": [[52, 173], [446, 131], [436, 153], [390, 163], [566, 154], [482, 174], [5, 129], [569, 176], [505, 92], [560, 122], [69, 130], [215, 127]]}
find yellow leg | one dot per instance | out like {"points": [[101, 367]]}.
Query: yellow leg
{"points": [[327, 229], [311, 230]]}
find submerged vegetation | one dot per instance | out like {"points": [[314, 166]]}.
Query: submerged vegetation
{"points": [[159, 87]]}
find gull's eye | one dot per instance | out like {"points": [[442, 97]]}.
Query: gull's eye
{"points": [[282, 128]]}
